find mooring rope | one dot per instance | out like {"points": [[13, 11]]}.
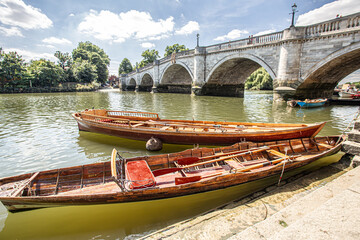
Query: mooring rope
{"points": [[287, 159]]}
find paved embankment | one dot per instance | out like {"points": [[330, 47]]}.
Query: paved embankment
{"points": [[320, 205]]}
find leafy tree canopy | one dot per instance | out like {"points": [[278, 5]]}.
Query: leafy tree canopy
{"points": [[259, 80], [86, 51], [174, 49], [12, 68], [85, 71], [45, 73], [149, 56], [64, 59], [125, 66]]}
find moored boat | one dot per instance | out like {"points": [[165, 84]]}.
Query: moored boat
{"points": [[345, 94], [308, 103], [162, 176], [144, 126]]}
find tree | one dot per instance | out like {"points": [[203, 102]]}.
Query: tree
{"points": [[259, 80], [84, 71], [174, 49], [12, 68], [64, 59], [45, 73], [149, 57], [125, 66], [86, 51]]}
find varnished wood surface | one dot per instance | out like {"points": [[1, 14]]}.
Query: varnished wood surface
{"points": [[94, 183], [138, 127]]}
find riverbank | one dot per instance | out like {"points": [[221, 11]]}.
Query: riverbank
{"points": [[319, 205], [64, 87]]}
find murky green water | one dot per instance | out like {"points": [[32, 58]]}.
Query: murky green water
{"points": [[37, 132]]}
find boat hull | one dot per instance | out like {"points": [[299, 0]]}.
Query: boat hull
{"points": [[311, 105], [109, 192], [203, 138]]}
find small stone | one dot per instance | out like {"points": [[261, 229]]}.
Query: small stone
{"points": [[154, 144]]}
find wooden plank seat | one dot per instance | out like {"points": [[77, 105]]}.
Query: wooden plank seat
{"points": [[139, 175], [138, 124], [325, 145], [233, 163]]}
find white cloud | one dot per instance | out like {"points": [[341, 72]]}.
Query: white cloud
{"points": [[17, 13], [265, 32], [9, 32], [106, 25], [54, 40], [147, 45], [189, 28], [71, 15], [46, 45], [163, 36], [234, 34], [329, 11], [29, 55]]}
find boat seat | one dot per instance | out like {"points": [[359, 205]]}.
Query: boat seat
{"points": [[137, 125], [233, 163], [325, 145], [139, 175]]}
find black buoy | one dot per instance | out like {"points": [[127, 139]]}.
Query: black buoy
{"points": [[154, 144]]}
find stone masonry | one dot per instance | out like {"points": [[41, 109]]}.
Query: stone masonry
{"points": [[303, 61]]}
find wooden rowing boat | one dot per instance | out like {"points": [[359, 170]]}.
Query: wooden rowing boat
{"points": [[143, 126], [162, 176]]}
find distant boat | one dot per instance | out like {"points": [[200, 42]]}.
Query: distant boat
{"points": [[344, 94], [162, 176], [308, 103], [144, 126]]}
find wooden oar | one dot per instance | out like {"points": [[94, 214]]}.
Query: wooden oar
{"points": [[113, 164], [191, 160], [245, 169], [164, 171], [224, 158], [18, 191], [183, 180]]}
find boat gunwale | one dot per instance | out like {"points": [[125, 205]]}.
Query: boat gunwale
{"points": [[115, 126], [229, 177]]}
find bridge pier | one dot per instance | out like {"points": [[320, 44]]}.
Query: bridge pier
{"points": [[229, 90], [173, 88], [283, 93]]}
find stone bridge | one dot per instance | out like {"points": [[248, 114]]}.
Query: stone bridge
{"points": [[304, 62]]}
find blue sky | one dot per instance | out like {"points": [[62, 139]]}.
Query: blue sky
{"points": [[124, 29]]}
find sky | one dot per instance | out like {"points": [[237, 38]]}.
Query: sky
{"points": [[124, 29]]}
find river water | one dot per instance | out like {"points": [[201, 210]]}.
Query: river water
{"points": [[37, 133]]}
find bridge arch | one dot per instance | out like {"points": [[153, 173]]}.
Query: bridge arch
{"points": [[146, 83], [227, 77], [322, 78], [132, 85], [176, 78]]}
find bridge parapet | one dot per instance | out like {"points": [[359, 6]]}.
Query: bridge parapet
{"points": [[246, 42], [179, 54], [338, 24]]}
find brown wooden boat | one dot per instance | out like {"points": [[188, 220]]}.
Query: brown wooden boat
{"points": [[144, 126], [162, 176]]}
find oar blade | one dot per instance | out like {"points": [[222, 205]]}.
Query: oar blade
{"points": [[187, 160], [164, 171], [183, 180]]}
